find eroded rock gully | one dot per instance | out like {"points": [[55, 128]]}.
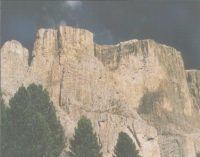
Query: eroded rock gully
{"points": [[139, 87]]}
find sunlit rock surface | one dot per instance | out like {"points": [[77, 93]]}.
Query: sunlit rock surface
{"points": [[139, 87]]}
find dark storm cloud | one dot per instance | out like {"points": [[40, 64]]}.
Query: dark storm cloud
{"points": [[176, 24]]}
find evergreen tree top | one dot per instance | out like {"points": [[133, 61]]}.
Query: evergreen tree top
{"points": [[31, 128], [125, 146], [85, 143]]}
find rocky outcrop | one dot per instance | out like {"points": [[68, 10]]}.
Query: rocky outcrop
{"points": [[14, 68], [111, 85]]}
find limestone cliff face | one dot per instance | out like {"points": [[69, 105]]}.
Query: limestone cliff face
{"points": [[193, 79], [152, 79], [111, 85], [14, 68], [142, 68]]}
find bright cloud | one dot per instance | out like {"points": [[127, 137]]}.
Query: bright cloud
{"points": [[72, 4], [62, 23]]}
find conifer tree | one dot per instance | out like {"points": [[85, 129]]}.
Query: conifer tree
{"points": [[4, 143], [125, 146], [33, 128], [85, 143]]}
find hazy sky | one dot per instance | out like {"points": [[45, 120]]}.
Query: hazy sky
{"points": [[173, 23]]}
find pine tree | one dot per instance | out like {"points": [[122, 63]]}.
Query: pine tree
{"points": [[4, 128], [33, 129], [125, 146], [85, 142]]}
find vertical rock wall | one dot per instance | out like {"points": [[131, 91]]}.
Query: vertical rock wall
{"points": [[109, 84], [193, 79], [14, 68], [151, 77]]}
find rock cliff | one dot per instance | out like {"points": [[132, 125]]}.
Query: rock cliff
{"points": [[193, 79], [139, 87]]}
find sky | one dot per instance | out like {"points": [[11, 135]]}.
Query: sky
{"points": [[173, 23]]}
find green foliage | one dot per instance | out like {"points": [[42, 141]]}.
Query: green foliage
{"points": [[125, 147], [85, 142], [33, 128], [4, 126]]}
